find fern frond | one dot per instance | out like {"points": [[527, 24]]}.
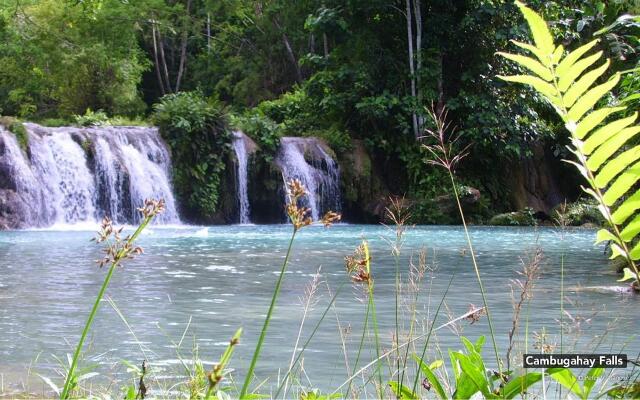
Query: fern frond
{"points": [[603, 148]]}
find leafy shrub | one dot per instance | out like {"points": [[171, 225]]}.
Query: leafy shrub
{"points": [[336, 138], [196, 131], [580, 213], [517, 218], [21, 134], [262, 129], [92, 118]]}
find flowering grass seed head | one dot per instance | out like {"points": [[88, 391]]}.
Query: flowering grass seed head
{"points": [[359, 264], [301, 216]]}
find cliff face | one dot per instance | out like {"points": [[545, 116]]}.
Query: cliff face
{"points": [[364, 193], [540, 182]]}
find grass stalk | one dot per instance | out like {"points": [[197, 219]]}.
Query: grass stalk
{"points": [[306, 343], [477, 271], [267, 320], [364, 333], [122, 253], [426, 343]]}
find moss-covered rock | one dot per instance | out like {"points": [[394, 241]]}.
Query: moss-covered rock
{"points": [[524, 217], [364, 195], [580, 213]]}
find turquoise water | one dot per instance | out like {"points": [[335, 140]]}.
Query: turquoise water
{"points": [[194, 286]]}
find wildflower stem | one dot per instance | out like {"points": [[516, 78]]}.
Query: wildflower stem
{"points": [[265, 326], [364, 332], [477, 271], [426, 343], [116, 261], [374, 322]]}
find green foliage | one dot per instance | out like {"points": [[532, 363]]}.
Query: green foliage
{"points": [[92, 118], [18, 129], [471, 377], [196, 131], [58, 60], [574, 85], [263, 130], [580, 213], [516, 218]]}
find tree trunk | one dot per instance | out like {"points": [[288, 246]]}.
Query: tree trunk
{"points": [[163, 61], [183, 49], [290, 53], [325, 42], [418, 16], [412, 69], [156, 61]]}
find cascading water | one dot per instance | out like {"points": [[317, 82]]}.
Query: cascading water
{"points": [[242, 156], [307, 160], [74, 175]]}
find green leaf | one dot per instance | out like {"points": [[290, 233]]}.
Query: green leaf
{"points": [[531, 64], [622, 184], [557, 54], [538, 84], [427, 370], [536, 51], [592, 120], [568, 78], [475, 374], [519, 384], [604, 235], [574, 56], [592, 377], [635, 252], [589, 99], [583, 84], [631, 230], [628, 275], [50, 383], [401, 391], [541, 35], [627, 209], [567, 379], [606, 150], [606, 132]]}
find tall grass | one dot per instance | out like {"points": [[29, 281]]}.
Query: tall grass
{"points": [[118, 249], [299, 218], [447, 155]]}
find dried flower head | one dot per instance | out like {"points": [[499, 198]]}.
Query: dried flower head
{"points": [[476, 313], [359, 264], [301, 216], [330, 218], [296, 189], [444, 150], [119, 248], [152, 208]]}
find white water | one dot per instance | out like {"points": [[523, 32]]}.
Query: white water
{"points": [[240, 148], [77, 176], [319, 173]]}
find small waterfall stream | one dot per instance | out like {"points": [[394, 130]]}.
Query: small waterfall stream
{"points": [[307, 159], [74, 175], [242, 156]]}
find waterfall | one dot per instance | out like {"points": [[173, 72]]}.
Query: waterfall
{"points": [[308, 160], [70, 175], [240, 148]]}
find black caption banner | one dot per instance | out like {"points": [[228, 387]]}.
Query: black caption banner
{"points": [[574, 360]]}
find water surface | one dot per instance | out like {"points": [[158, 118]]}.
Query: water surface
{"points": [[216, 279]]}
